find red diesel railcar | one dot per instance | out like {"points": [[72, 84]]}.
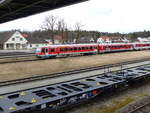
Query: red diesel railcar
{"points": [[65, 50], [84, 49]]}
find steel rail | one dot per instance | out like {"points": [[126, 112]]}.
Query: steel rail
{"points": [[21, 56], [61, 74], [137, 109], [15, 59], [15, 56]]}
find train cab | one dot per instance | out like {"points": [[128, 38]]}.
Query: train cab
{"points": [[46, 52]]}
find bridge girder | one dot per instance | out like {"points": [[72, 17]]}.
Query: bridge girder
{"points": [[15, 9]]}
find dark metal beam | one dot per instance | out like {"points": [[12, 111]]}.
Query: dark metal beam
{"points": [[15, 9]]}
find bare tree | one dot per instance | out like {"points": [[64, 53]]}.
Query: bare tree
{"points": [[62, 29], [50, 25], [78, 29]]}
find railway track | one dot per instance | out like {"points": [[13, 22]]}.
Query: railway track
{"points": [[65, 93], [145, 108], [140, 106], [17, 58], [68, 75], [24, 57], [60, 74], [12, 53]]}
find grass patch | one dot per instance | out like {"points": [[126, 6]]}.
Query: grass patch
{"points": [[116, 104]]}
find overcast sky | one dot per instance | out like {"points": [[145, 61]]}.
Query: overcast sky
{"points": [[102, 15]]}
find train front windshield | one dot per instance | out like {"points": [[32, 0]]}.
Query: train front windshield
{"points": [[38, 50]]}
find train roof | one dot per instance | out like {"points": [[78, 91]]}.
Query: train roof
{"points": [[72, 45], [93, 44], [115, 44], [141, 43]]}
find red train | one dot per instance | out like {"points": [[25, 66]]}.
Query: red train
{"points": [[85, 49]]}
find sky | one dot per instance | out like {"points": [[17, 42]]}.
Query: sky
{"points": [[102, 15]]}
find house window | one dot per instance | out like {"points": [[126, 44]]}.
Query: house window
{"points": [[17, 36], [13, 39]]}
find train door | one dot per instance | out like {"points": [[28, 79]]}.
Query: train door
{"points": [[46, 52], [101, 49], [108, 48]]}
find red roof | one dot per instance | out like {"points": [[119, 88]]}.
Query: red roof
{"points": [[57, 37], [24, 35], [105, 38]]}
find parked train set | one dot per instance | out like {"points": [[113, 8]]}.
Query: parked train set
{"points": [[86, 49]]}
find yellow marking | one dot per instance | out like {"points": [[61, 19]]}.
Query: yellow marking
{"points": [[114, 69], [33, 100], [11, 108], [116, 86], [98, 84], [22, 93], [1, 97], [50, 105]]}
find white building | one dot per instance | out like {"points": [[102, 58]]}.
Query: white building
{"points": [[12, 40], [143, 39], [15, 40]]}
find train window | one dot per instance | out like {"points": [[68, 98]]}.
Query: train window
{"points": [[91, 47], [70, 49], [75, 48], [66, 49], [79, 48], [52, 49], [46, 50], [61, 49], [43, 50], [87, 48], [83, 48]]}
